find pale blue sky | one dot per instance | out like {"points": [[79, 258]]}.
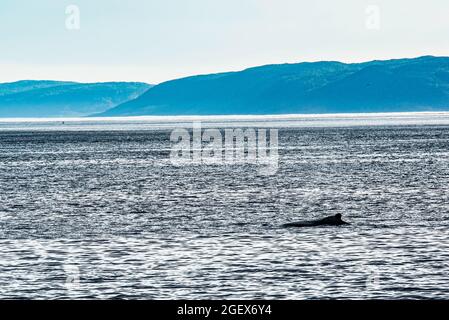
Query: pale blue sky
{"points": [[153, 41]]}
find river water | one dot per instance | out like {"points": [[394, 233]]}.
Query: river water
{"points": [[95, 209]]}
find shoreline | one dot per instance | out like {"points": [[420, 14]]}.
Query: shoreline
{"points": [[171, 118]]}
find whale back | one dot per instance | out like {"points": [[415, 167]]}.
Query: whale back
{"points": [[328, 221]]}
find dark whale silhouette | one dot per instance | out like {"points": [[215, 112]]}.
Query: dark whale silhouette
{"points": [[328, 221]]}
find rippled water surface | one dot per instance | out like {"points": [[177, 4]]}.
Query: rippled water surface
{"points": [[104, 214]]}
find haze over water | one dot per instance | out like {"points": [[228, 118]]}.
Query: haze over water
{"points": [[93, 208]]}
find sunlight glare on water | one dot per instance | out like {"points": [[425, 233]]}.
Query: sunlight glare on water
{"points": [[100, 212]]}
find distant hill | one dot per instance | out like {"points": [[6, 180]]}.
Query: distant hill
{"points": [[64, 99], [420, 84]]}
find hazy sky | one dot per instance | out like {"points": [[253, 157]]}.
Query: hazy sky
{"points": [[157, 40]]}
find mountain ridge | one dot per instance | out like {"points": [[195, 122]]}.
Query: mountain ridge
{"points": [[408, 84], [48, 98]]}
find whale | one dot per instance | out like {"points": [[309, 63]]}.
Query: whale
{"points": [[328, 221]]}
